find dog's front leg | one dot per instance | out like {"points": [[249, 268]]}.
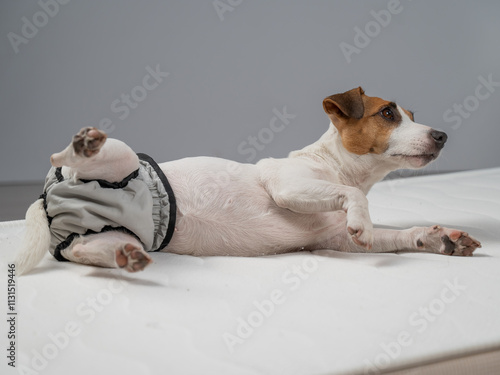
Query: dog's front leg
{"points": [[112, 249], [434, 239], [310, 196]]}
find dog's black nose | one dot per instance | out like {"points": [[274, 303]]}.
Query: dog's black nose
{"points": [[439, 137]]}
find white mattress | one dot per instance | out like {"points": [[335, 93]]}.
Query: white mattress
{"points": [[338, 314]]}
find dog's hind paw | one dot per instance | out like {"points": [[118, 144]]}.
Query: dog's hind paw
{"points": [[132, 258], [448, 241], [88, 141]]}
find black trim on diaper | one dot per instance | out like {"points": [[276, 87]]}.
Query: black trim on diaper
{"points": [[171, 199], [44, 197], [62, 246], [115, 185], [59, 175]]}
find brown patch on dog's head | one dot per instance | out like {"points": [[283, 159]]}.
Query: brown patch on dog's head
{"points": [[365, 123]]}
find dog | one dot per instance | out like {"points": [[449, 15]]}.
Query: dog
{"points": [[313, 199]]}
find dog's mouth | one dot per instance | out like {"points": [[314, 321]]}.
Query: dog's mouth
{"points": [[418, 160]]}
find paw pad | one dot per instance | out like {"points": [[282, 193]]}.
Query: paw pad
{"points": [[132, 258], [89, 141]]}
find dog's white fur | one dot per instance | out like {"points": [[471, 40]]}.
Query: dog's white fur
{"points": [[314, 199]]}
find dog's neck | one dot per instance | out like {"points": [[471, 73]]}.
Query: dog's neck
{"points": [[361, 171]]}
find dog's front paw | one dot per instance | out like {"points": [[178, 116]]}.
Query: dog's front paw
{"points": [[361, 232], [448, 241], [132, 258], [88, 141]]}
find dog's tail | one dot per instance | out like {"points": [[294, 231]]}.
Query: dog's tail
{"points": [[36, 241]]}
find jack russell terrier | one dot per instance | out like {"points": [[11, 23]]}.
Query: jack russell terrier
{"points": [[104, 205]]}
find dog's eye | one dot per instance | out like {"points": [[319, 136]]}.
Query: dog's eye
{"points": [[387, 113]]}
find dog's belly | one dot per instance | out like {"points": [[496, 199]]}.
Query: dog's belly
{"points": [[223, 209]]}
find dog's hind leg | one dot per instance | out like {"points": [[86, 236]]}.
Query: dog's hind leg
{"points": [[86, 144], [112, 249], [90, 155]]}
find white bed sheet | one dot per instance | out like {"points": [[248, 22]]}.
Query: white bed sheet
{"points": [[343, 313]]}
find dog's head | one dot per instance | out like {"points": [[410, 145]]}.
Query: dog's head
{"points": [[370, 125]]}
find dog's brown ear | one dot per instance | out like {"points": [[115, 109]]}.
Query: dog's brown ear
{"points": [[346, 105]]}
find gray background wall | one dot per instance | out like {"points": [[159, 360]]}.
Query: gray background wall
{"points": [[228, 72]]}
